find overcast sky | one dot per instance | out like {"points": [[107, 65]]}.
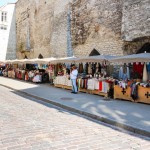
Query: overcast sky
{"points": [[3, 2]]}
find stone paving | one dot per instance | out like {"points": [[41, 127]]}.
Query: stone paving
{"points": [[134, 115], [29, 124]]}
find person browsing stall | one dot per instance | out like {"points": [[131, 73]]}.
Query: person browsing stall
{"points": [[73, 77]]}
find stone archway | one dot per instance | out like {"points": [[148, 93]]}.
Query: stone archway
{"points": [[144, 48], [40, 56], [25, 57], [94, 52]]}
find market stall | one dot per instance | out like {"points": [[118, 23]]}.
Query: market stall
{"points": [[33, 70], [133, 83], [94, 74]]}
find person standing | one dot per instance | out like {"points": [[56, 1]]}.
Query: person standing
{"points": [[73, 77]]}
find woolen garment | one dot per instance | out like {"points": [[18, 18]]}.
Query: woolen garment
{"points": [[148, 75], [80, 68], [148, 67], [90, 69], [134, 91], [93, 69], [110, 70], [90, 84], [120, 72], [145, 74], [86, 80], [86, 68], [100, 86], [138, 68], [78, 83], [99, 67]]}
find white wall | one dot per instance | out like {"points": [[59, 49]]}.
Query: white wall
{"points": [[8, 37]]}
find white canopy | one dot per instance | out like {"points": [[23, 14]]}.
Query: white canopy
{"points": [[7, 61], [143, 57], [66, 60], [99, 58], [32, 61]]}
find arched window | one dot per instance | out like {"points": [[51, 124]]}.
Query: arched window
{"points": [[145, 48], [25, 57], [40, 56], [94, 52]]}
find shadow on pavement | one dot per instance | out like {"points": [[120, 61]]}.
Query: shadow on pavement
{"points": [[60, 109]]}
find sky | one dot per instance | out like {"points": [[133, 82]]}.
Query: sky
{"points": [[3, 2]]}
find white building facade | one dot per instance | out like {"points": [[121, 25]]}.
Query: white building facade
{"points": [[7, 32]]}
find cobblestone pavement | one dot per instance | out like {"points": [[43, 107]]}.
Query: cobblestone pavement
{"points": [[28, 124]]}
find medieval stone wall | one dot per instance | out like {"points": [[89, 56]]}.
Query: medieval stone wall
{"points": [[136, 19], [41, 28], [97, 24], [113, 27]]}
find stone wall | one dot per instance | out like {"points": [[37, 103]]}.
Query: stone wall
{"points": [[46, 22], [113, 27], [97, 24], [136, 19]]}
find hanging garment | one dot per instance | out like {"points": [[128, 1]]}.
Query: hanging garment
{"points": [[110, 70], [148, 67], [138, 69], [81, 68], [86, 68], [86, 80], [148, 70], [99, 67], [124, 73], [145, 74], [90, 84], [100, 86], [78, 81], [82, 83], [90, 69], [128, 73], [93, 69], [96, 85], [120, 72], [134, 91]]}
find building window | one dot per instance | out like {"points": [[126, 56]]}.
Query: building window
{"points": [[4, 17], [3, 27]]}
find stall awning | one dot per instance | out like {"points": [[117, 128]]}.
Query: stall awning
{"points": [[99, 58], [143, 57]]}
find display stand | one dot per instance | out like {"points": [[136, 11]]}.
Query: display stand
{"points": [[124, 94], [100, 93], [144, 95], [58, 85], [120, 93], [96, 92]]}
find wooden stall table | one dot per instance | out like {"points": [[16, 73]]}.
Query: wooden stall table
{"points": [[120, 93], [67, 87], [58, 85], [144, 94], [97, 92]]}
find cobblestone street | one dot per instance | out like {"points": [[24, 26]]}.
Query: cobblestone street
{"points": [[28, 124]]}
